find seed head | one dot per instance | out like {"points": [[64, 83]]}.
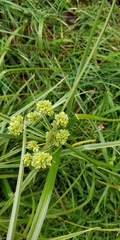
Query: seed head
{"points": [[32, 145], [33, 117], [27, 159], [45, 107], [41, 160], [61, 119], [16, 125], [61, 137]]}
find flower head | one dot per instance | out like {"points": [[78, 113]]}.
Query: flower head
{"points": [[61, 137], [32, 145], [18, 118], [51, 137], [41, 160], [33, 117], [27, 159], [45, 107], [61, 119], [58, 138], [16, 125]]}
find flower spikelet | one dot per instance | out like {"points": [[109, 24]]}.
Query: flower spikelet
{"points": [[27, 159], [61, 137], [41, 160], [16, 125], [61, 119], [51, 137], [32, 145], [45, 107], [18, 118], [33, 117]]}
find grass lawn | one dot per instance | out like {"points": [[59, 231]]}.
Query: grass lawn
{"points": [[64, 54]]}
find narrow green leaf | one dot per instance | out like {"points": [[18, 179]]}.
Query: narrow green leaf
{"points": [[25, 183], [45, 199], [85, 61], [6, 47], [84, 156], [101, 198], [91, 117], [15, 208], [85, 202], [74, 235]]}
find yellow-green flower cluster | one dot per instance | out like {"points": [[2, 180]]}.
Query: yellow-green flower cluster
{"points": [[33, 117], [61, 119], [61, 137], [58, 138], [37, 159], [27, 159], [33, 145], [16, 125], [41, 160], [42, 108], [45, 107]]}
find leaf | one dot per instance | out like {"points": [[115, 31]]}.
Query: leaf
{"points": [[92, 117], [45, 199]]}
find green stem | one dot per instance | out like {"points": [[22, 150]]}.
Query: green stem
{"points": [[45, 199], [48, 140], [16, 203], [6, 188], [5, 183]]}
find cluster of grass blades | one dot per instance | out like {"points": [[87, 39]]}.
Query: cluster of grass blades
{"points": [[75, 66]]}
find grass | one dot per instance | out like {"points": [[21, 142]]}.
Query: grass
{"points": [[67, 52]]}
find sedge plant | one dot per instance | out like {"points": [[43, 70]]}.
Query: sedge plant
{"points": [[88, 173]]}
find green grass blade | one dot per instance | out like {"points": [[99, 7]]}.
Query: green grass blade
{"points": [[89, 41], [44, 200], [95, 146], [87, 158], [82, 68], [101, 198], [91, 117], [6, 47], [25, 183], [74, 235], [15, 208], [88, 199]]}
